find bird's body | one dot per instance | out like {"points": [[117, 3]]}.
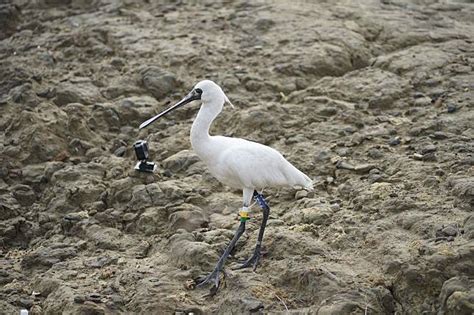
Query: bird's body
{"points": [[237, 163], [240, 164]]}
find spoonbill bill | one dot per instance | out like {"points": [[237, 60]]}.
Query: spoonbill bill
{"points": [[237, 163]]}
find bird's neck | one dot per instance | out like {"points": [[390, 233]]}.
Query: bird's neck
{"points": [[200, 137]]}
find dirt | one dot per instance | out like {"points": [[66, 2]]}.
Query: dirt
{"points": [[372, 99]]}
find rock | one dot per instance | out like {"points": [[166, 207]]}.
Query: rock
{"points": [[375, 153], [360, 168], [84, 93], [353, 302], [158, 82], [414, 61], [26, 303], [428, 149], [135, 109], [17, 231], [24, 194], [94, 297], [186, 251], [325, 59], [120, 151], [46, 285], [48, 256], [264, 24], [446, 231], [24, 95], [451, 108], [188, 220], [9, 19], [300, 194], [456, 296], [394, 141], [469, 227], [463, 189], [358, 86], [99, 262], [180, 161], [106, 238], [242, 305], [149, 220], [439, 135], [318, 216], [8, 308]]}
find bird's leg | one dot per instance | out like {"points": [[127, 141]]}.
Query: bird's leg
{"points": [[213, 277], [253, 261]]}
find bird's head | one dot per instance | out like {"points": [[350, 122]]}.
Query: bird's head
{"points": [[210, 91], [207, 91]]}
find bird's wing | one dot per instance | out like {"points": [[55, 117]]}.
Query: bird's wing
{"points": [[259, 166]]}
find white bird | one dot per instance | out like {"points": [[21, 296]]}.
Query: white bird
{"points": [[237, 163]]}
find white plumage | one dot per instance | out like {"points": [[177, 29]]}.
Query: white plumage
{"points": [[235, 162]]}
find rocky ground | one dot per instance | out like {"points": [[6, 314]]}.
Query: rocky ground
{"points": [[372, 99]]}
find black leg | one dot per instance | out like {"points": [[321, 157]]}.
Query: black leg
{"points": [[213, 277], [253, 261]]}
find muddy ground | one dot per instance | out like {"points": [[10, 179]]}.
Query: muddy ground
{"points": [[372, 99]]}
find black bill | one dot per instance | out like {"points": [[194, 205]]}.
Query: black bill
{"points": [[192, 96]]}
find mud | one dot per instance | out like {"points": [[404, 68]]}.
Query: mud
{"points": [[372, 99]]}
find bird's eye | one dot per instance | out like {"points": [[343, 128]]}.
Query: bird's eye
{"points": [[198, 91]]}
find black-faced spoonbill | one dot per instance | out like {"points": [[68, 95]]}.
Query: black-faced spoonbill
{"points": [[238, 163]]}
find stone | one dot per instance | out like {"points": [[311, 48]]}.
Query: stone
{"points": [[10, 15], [8, 308], [24, 95], [318, 216], [24, 194], [451, 108], [449, 230], [469, 227], [83, 93], [105, 238], [158, 82], [242, 305], [300, 194], [47, 256], [99, 262], [394, 141], [456, 296], [358, 86], [463, 189], [188, 220], [186, 251], [180, 161], [120, 151]]}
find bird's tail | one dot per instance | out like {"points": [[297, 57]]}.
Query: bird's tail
{"points": [[309, 184], [300, 179]]}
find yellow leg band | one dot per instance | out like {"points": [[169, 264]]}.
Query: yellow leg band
{"points": [[243, 216]]}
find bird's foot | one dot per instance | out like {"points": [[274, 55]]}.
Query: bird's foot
{"points": [[214, 278], [252, 261]]}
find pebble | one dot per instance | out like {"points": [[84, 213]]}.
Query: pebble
{"points": [[450, 231], [439, 135], [79, 299], [94, 297], [451, 108], [394, 141], [301, 194], [28, 303], [158, 82], [120, 152], [428, 149], [375, 153]]}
